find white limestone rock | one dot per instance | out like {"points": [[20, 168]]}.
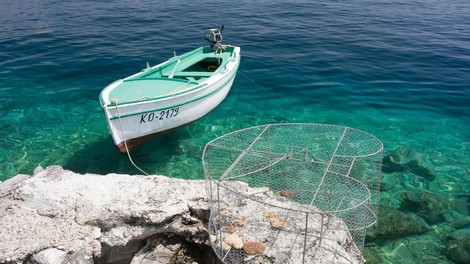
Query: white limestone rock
{"points": [[73, 212], [49, 256], [23, 231]]}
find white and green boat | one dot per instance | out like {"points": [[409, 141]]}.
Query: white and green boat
{"points": [[171, 94]]}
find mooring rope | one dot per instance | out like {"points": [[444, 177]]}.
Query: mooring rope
{"points": [[125, 141], [253, 81]]}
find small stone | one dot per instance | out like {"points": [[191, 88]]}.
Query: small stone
{"points": [[279, 223], [217, 219], [49, 256], [285, 193], [271, 214], [239, 222], [230, 229], [225, 246], [253, 247], [234, 241], [96, 232]]}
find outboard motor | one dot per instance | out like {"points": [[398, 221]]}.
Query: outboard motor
{"points": [[214, 36]]}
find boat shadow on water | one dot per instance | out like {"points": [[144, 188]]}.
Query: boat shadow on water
{"points": [[101, 157]]}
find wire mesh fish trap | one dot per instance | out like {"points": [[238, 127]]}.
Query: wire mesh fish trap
{"points": [[292, 193]]}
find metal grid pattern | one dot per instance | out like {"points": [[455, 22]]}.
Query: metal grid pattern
{"points": [[292, 193]]}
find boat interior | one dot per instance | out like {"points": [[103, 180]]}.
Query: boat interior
{"points": [[201, 63], [177, 75]]}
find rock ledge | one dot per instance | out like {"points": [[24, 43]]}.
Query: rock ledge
{"points": [[58, 216]]}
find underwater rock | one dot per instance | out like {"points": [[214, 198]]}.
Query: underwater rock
{"points": [[458, 249], [433, 260], [426, 249], [423, 248], [429, 206], [461, 204], [461, 222], [371, 256], [405, 159], [394, 223], [459, 234], [389, 181]]}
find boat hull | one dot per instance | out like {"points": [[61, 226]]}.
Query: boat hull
{"points": [[167, 117], [132, 124]]}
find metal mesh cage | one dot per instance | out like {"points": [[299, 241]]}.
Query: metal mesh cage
{"points": [[292, 193]]}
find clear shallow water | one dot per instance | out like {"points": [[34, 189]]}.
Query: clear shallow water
{"points": [[396, 69]]}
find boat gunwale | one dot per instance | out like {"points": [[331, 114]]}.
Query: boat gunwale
{"points": [[169, 95]]}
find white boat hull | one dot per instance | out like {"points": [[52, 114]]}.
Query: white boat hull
{"points": [[132, 124]]}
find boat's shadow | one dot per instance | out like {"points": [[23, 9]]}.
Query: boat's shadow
{"points": [[103, 157]]}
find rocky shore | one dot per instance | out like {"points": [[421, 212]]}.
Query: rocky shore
{"points": [[58, 216]]}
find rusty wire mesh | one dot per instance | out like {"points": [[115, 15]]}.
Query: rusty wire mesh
{"points": [[292, 193]]}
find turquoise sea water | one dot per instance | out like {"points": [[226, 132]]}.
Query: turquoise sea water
{"points": [[398, 69]]}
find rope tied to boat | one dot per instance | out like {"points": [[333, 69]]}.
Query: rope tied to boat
{"points": [[218, 54], [115, 102]]}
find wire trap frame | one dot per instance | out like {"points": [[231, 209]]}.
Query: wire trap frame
{"points": [[292, 193]]}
